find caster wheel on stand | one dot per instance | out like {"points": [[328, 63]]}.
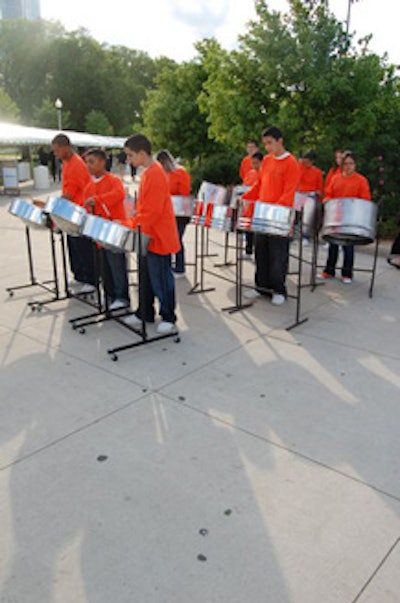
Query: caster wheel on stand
{"points": [[114, 357], [11, 293], [82, 330]]}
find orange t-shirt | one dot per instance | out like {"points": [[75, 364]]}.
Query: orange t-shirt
{"points": [[245, 166], [155, 212], [355, 185], [109, 196], [180, 182], [277, 180], [75, 177], [332, 172], [311, 179], [251, 177]]}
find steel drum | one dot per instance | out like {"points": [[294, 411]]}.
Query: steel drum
{"points": [[68, 216], [212, 193], [237, 193], [31, 215], [113, 236], [183, 206], [221, 218], [198, 215], [349, 221], [266, 218], [50, 203], [312, 212]]}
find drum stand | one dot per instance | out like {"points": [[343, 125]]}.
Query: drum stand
{"points": [[238, 277], [299, 274], [199, 256], [33, 280]]}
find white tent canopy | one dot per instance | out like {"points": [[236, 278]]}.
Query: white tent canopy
{"points": [[15, 135]]}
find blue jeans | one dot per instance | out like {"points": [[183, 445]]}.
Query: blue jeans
{"points": [[81, 253], [156, 280], [180, 255], [117, 286]]}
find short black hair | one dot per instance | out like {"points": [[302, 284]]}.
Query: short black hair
{"points": [[61, 140], [253, 141], [137, 143], [273, 131], [350, 154], [310, 155], [99, 153], [258, 156]]}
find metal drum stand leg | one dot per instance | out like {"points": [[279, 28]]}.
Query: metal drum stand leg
{"points": [[201, 257], [239, 278], [297, 297]]}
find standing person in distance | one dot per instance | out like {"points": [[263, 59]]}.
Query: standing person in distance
{"points": [[246, 174], [75, 177], [277, 183], [336, 167], [347, 183], [155, 215], [105, 196], [180, 183]]}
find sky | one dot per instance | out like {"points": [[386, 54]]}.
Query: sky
{"points": [[170, 27]]}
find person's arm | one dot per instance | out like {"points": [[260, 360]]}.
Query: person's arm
{"points": [[364, 189], [106, 200], [152, 195], [75, 182], [185, 183], [291, 180]]}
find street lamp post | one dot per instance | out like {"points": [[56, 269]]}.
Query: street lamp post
{"points": [[59, 105]]}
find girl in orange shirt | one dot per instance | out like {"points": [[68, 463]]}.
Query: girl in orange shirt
{"points": [[348, 183], [179, 184], [336, 168]]}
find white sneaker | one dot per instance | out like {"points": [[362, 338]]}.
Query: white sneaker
{"points": [[251, 294], [179, 274], [278, 299], [306, 242], [166, 327], [73, 283], [347, 280], [86, 288], [132, 320], [118, 304]]}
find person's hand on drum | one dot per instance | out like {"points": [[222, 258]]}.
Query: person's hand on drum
{"points": [[89, 202]]}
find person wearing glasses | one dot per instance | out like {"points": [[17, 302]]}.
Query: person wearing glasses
{"points": [[347, 183]]}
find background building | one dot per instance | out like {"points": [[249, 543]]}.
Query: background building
{"points": [[17, 9]]}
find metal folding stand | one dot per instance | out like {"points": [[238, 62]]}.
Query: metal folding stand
{"points": [[33, 280], [299, 274], [239, 278], [199, 258]]}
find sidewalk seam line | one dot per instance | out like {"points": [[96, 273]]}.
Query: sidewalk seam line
{"points": [[376, 571]]}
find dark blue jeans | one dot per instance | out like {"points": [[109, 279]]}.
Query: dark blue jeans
{"points": [[156, 280], [348, 260], [180, 255], [272, 257], [81, 253], [116, 281]]}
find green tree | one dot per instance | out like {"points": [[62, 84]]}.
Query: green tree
{"points": [[45, 116], [96, 122], [8, 109]]}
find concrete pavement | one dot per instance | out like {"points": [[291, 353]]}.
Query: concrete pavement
{"points": [[246, 464]]}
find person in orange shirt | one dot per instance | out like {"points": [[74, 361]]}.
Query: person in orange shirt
{"points": [[105, 196], [336, 168], [347, 183], [247, 175], [180, 183], [155, 215], [246, 165], [277, 183], [75, 177], [251, 176], [311, 180]]}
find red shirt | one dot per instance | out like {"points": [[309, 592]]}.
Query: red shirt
{"points": [[277, 180], [311, 179], [75, 177], [251, 177], [155, 212], [355, 185], [332, 172], [180, 182], [109, 196], [245, 166]]}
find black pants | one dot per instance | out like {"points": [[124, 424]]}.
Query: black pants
{"points": [[272, 257], [115, 275], [348, 260], [156, 280], [81, 259]]}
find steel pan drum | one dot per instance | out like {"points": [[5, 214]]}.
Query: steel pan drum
{"points": [[183, 206], [198, 214], [272, 219], [68, 216], [221, 218], [31, 215], [349, 221], [50, 203], [212, 193], [113, 236], [236, 194], [312, 212]]}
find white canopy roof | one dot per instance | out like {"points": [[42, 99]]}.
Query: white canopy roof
{"points": [[15, 135]]}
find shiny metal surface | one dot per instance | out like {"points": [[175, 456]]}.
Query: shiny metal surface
{"points": [[312, 212], [266, 218], [221, 218], [212, 193], [113, 236], [68, 216], [236, 194], [183, 206], [31, 215], [50, 203], [349, 221]]}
